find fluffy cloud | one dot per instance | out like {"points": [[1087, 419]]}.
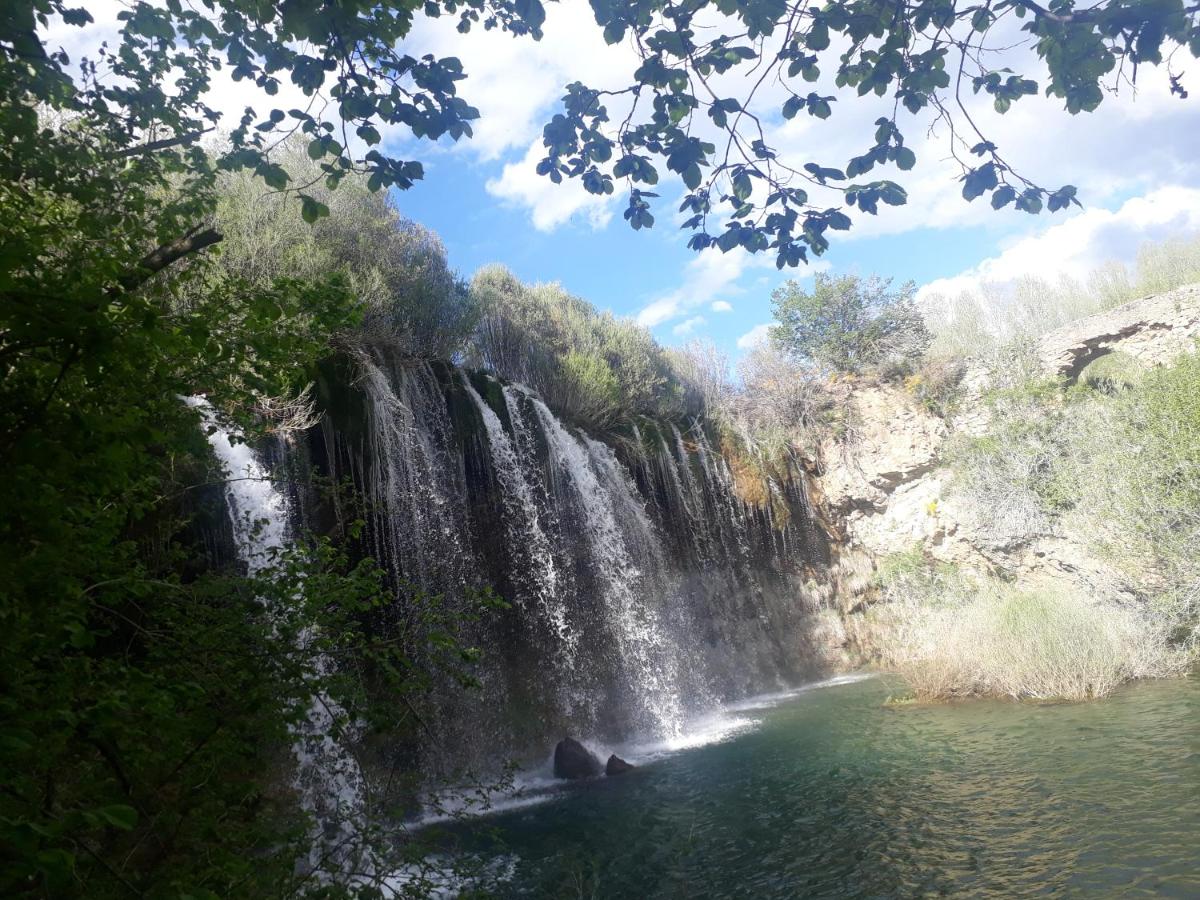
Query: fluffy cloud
{"points": [[721, 306], [550, 205], [1136, 141], [754, 337], [1079, 245], [705, 277], [516, 82], [687, 326]]}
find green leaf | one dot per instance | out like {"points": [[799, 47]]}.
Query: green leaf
{"points": [[312, 209], [905, 158], [742, 187], [1003, 196], [818, 37], [118, 816]]}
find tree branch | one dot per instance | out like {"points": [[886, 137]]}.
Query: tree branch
{"points": [[153, 146], [157, 260]]}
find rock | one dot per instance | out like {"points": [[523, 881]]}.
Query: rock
{"points": [[617, 766], [1153, 330], [573, 760]]}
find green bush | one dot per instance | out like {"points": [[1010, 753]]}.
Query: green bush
{"points": [[589, 366], [1111, 373], [1132, 474], [396, 269], [850, 324]]}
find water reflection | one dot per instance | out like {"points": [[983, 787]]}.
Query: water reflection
{"points": [[836, 796]]}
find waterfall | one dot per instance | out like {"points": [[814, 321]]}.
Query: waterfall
{"points": [[327, 777], [648, 653], [535, 564], [415, 478], [642, 588]]}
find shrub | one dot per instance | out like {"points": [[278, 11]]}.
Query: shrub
{"points": [[1002, 479], [397, 269], [1111, 373], [1131, 474], [850, 324], [937, 385], [950, 634], [589, 366]]}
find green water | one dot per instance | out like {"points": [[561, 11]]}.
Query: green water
{"points": [[833, 795]]}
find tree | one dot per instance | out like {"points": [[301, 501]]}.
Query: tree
{"points": [[713, 76], [848, 323], [686, 110]]}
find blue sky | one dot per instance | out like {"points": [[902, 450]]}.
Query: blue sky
{"points": [[1134, 162], [623, 271]]}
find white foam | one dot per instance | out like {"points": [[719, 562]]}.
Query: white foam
{"points": [[535, 786]]}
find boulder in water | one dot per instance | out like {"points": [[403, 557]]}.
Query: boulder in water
{"points": [[618, 766], [573, 760]]}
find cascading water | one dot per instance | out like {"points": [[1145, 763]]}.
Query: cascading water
{"points": [[649, 654], [328, 778], [643, 587]]}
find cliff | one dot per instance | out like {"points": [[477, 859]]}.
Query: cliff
{"points": [[886, 485]]}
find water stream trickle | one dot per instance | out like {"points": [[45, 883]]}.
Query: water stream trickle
{"points": [[327, 776]]}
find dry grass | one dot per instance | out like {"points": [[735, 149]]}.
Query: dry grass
{"points": [[950, 635]]}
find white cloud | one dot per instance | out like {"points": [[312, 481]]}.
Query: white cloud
{"points": [[722, 305], [705, 277], [755, 336], [1079, 245], [516, 82], [687, 326], [1133, 143], [550, 205]]}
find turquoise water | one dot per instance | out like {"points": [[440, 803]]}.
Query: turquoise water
{"points": [[831, 794]]}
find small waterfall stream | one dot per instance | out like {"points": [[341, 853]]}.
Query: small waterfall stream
{"points": [[328, 778]]}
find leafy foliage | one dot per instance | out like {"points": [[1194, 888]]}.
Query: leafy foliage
{"points": [[396, 269], [148, 689], [715, 75], [849, 324]]}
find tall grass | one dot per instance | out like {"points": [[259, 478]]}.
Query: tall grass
{"points": [[949, 634]]}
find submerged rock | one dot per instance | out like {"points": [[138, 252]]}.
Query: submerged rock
{"points": [[573, 760], [618, 766]]}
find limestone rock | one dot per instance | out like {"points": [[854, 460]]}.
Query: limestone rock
{"points": [[884, 487], [1153, 330]]}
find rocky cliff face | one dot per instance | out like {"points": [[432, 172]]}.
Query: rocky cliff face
{"points": [[884, 485]]}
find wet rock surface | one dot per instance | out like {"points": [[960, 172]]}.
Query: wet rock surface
{"points": [[573, 760]]}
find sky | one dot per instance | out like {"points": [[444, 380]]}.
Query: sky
{"points": [[1134, 162]]}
